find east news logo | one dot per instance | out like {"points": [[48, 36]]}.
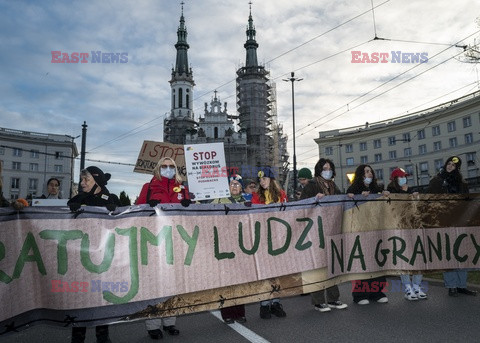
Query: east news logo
{"points": [[96, 57]]}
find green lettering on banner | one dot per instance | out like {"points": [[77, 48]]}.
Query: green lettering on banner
{"points": [[437, 249], [477, 249], [134, 279], [288, 238], [447, 247], [29, 244], [300, 243], [456, 247], [107, 256], [338, 255], [220, 255], [356, 246], [62, 237], [398, 252], [256, 241], [321, 236], [416, 250], [3, 276], [191, 242], [147, 236], [384, 253]]}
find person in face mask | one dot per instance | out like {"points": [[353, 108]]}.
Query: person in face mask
{"points": [[164, 188], [365, 183], [321, 185], [412, 286]]}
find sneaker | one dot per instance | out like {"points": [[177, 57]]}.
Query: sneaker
{"points": [[410, 294], [337, 304], [322, 308], [363, 302], [229, 321], [171, 330], [452, 292], [155, 334], [277, 310], [265, 312], [466, 291], [419, 293], [382, 300], [241, 320]]}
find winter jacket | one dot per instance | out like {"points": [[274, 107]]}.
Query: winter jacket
{"points": [[165, 190]]}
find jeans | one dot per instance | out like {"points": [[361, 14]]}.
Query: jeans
{"points": [[416, 279], [455, 278]]}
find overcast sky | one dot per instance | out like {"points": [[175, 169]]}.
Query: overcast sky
{"points": [[125, 103]]}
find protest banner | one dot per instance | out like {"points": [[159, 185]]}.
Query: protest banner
{"points": [[207, 171], [138, 262], [151, 152]]}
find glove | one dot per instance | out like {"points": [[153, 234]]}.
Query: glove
{"points": [[74, 206], [248, 203], [191, 195], [186, 202], [153, 203], [111, 207], [18, 205]]}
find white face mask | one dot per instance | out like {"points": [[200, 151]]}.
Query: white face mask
{"points": [[367, 180], [402, 181], [169, 173], [327, 174]]}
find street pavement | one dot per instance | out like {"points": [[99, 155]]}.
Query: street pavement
{"points": [[439, 319]]}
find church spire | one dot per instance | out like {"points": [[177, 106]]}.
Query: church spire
{"points": [[181, 65], [251, 45]]}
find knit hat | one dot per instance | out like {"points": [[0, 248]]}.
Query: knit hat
{"points": [[99, 176], [454, 159], [266, 172], [236, 178], [305, 173], [398, 172]]}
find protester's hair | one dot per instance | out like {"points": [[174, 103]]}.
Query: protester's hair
{"points": [[319, 166], [394, 185], [158, 175], [274, 190], [360, 175], [53, 178]]}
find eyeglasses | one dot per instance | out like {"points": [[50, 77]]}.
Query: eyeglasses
{"points": [[165, 166], [236, 185]]}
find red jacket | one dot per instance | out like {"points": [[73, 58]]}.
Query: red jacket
{"points": [[166, 191]]}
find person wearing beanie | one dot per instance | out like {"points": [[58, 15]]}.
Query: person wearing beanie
{"points": [[269, 192], [304, 176], [94, 193], [250, 186], [450, 181]]}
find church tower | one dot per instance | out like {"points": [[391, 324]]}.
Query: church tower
{"points": [[180, 122]]}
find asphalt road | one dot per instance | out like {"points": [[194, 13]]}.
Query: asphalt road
{"points": [[439, 319]]}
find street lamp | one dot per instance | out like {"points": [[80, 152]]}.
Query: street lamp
{"points": [[293, 79]]}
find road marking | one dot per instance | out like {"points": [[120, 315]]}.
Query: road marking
{"points": [[242, 330]]}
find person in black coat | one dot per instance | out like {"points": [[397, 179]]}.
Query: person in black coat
{"points": [[365, 183]]}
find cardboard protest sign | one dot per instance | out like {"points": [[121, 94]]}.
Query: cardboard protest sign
{"points": [[151, 152], [95, 267], [207, 171]]}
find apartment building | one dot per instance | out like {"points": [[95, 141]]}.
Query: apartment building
{"points": [[419, 142], [29, 159]]}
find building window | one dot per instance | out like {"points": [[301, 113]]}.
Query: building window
{"points": [[58, 168], [348, 148], [215, 132], [467, 121], [436, 130], [187, 100], [2, 151], [378, 157], [34, 153], [392, 140], [453, 142], [424, 167], [438, 164], [16, 165], [407, 152], [17, 152], [469, 138], [32, 184], [421, 134], [438, 145], [409, 169], [363, 146], [377, 143], [451, 126], [363, 159], [379, 174], [392, 154], [15, 184], [471, 157], [350, 161], [328, 150], [180, 97], [422, 149], [406, 137], [34, 167], [58, 155]]}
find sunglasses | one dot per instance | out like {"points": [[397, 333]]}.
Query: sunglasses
{"points": [[165, 166]]}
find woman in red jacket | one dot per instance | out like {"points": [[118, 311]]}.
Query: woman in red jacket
{"points": [[269, 192], [164, 188]]}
